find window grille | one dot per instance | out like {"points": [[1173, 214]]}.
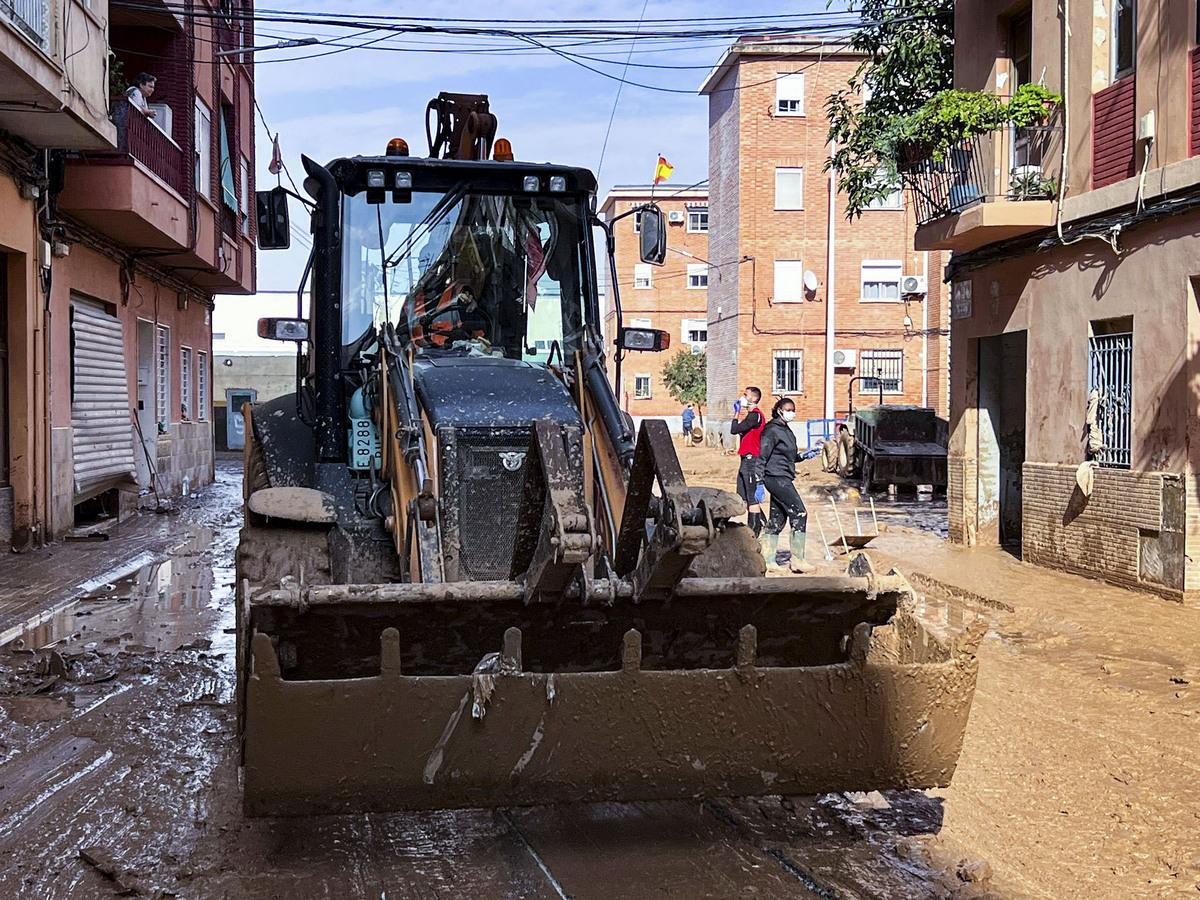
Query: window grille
{"points": [[202, 385], [881, 366], [185, 382], [162, 384], [641, 387], [788, 371], [1110, 374]]}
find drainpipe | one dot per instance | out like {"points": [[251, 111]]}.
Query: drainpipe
{"points": [[925, 332], [830, 330]]}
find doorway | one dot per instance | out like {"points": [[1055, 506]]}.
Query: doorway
{"points": [[147, 453], [1002, 389], [235, 424]]}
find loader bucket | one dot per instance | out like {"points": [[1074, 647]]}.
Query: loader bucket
{"points": [[411, 696]]}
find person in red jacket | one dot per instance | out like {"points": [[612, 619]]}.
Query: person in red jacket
{"points": [[748, 425]]}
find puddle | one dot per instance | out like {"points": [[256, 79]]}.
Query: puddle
{"points": [[162, 605]]}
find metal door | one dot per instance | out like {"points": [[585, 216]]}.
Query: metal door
{"points": [[235, 424]]}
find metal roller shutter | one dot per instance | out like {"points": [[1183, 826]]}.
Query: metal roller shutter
{"points": [[100, 406]]}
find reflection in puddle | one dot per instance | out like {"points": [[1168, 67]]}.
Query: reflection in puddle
{"points": [[156, 606]]}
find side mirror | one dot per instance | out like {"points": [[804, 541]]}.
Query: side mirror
{"points": [[654, 235], [271, 208], [283, 329], [651, 339]]}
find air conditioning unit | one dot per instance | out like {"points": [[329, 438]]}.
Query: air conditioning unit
{"points": [[162, 119], [844, 359], [698, 348], [913, 284], [675, 215]]}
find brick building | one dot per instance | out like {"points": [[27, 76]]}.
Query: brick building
{"points": [[671, 297], [116, 231], [1085, 292], [806, 300]]}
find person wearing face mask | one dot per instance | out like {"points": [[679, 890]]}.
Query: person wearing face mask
{"points": [[779, 455], [748, 424]]}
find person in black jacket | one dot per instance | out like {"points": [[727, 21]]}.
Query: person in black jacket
{"points": [[778, 453]]}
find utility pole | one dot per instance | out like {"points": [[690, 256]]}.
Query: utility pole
{"points": [[278, 45]]}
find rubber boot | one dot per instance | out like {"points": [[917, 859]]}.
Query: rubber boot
{"points": [[769, 544], [799, 564]]}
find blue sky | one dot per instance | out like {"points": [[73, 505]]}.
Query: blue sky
{"points": [[352, 102]]}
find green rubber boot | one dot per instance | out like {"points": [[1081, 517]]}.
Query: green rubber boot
{"points": [[799, 564], [769, 544]]}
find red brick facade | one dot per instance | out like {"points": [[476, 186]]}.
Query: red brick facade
{"points": [[676, 295], [769, 202]]}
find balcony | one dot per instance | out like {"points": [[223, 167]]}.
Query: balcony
{"points": [[135, 195], [993, 187]]}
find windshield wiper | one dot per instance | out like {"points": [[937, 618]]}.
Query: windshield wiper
{"points": [[435, 216]]}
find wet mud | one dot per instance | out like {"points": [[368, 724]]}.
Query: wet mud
{"points": [[118, 770]]}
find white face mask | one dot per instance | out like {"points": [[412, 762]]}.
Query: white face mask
{"points": [[788, 415]]}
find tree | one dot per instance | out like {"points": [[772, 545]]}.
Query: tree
{"points": [[686, 378], [910, 58]]}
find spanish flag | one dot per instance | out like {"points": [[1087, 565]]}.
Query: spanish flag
{"points": [[663, 170]]}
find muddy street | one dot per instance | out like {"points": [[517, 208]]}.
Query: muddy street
{"points": [[118, 765]]}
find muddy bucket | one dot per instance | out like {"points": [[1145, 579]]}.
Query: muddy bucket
{"points": [[397, 697]]}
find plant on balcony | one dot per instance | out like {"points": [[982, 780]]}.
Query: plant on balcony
{"points": [[952, 117], [1031, 184]]}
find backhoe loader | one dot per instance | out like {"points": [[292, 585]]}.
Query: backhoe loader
{"points": [[464, 580]]}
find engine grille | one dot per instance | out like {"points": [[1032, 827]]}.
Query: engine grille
{"points": [[488, 497]]}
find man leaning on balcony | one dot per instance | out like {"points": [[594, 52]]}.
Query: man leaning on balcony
{"points": [[140, 93]]}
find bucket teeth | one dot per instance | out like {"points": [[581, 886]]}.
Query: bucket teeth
{"points": [[747, 646], [631, 651], [389, 652]]}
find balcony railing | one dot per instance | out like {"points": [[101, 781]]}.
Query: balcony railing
{"points": [[1007, 165], [142, 140], [30, 16]]}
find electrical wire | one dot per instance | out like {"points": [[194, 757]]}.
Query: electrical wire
{"points": [[617, 99]]}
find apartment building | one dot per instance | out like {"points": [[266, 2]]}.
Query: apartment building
{"points": [[672, 297], [1076, 312], [116, 229], [808, 304]]}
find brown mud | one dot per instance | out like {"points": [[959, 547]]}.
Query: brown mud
{"points": [[1078, 779]]}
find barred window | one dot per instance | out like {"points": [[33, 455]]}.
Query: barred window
{"points": [[789, 372], [881, 366], [185, 382], [202, 385], [162, 386], [1110, 384]]}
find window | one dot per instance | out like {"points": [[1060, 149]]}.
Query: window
{"points": [[1124, 37], [203, 148], [789, 188], [789, 281], [641, 387], [202, 386], [886, 366], [642, 278], [697, 275], [244, 205], [185, 382], [789, 371], [694, 332], [162, 382], [228, 190], [789, 94], [1110, 382], [894, 200], [1020, 48], [697, 219], [637, 222], [881, 279]]}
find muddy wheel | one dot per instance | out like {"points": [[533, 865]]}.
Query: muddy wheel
{"points": [[265, 555], [845, 463], [254, 475], [868, 473], [734, 554]]}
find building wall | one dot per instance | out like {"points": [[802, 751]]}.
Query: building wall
{"points": [[666, 303], [743, 185]]}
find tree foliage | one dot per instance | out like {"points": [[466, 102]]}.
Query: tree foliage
{"points": [[686, 378], [910, 58]]}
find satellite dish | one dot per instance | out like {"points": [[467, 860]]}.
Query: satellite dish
{"points": [[810, 280]]}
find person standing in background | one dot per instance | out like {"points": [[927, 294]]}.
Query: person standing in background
{"points": [[779, 453], [689, 416], [748, 424]]}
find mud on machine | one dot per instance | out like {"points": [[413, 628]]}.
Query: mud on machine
{"points": [[464, 581]]}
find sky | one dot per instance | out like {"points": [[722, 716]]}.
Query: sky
{"points": [[348, 103]]}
